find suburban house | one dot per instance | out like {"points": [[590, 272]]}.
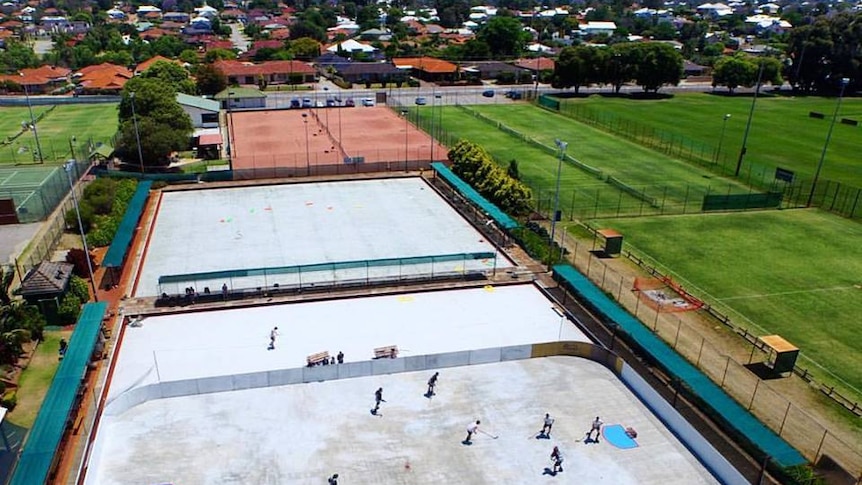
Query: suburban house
{"points": [[495, 70], [713, 10], [350, 46], [428, 68], [102, 78], [270, 72], [203, 112], [374, 72], [238, 98], [149, 62], [597, 28], [536, 65], [40, 80]]}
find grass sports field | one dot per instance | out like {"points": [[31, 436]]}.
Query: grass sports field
{"points": [[782, 133], [84, 122], [795, 273], [657, 176]]}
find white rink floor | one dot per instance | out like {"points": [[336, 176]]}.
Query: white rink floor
{"points": [[228, 342], [303, 433], [308, 223]]}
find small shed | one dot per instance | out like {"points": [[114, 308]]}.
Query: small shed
{"points": [[44, 286], [613, 242], [781, 355], [236, 97]]}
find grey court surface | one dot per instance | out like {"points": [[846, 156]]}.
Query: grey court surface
{"points": [[305, 432], [14, 238], [228, 342], [298, 224]]}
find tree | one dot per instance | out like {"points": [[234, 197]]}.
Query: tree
{"points": [[168, 46], [304, 48], [505, 37], [172, 74], [368, 17], [826, 51], [162, 124], [213, 55], [17, 56], [659, 64], [579, 66], [210, 79], [734, 71]]}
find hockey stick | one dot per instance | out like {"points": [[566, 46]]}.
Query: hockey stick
{"points": [[493, 437]]}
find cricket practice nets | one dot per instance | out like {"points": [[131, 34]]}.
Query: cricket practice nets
{"points": [[665, 295]]}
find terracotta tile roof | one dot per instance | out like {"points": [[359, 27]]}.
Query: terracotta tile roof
{"points": [[104, 77], [539, 63], [236, 68], [155, 33], [218, 44], [39, 76], [426, 64], [149, 62]]}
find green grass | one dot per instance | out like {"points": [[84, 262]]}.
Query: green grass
{"points": [[36, 379], [537, 167], [782, 134], [56, 129], [673, 185], [795, 273]]}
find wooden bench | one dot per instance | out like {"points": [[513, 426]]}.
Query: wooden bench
{"points": [[389, 352], [318, 358]]}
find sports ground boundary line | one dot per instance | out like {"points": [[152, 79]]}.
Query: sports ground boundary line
{"points": [[782, 293]]}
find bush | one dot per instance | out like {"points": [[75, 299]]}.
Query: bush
{"points": [[69, 309], [9, 400], [78, 286]]}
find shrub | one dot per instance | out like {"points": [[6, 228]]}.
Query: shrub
{"points": [[70, 308], [78, 286], [9, 400]]}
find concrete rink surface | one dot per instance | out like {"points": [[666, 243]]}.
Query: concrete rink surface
{"points": [[301, 434], [297, 224], [228, 342]]}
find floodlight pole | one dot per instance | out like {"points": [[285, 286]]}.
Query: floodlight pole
{"points": [[326, 105], [439, 118], [231, 139], [748, 124], [561, 145], [67, 167], [721, 138], [404, 113], [433, 104], [32, 119], [844, 82], [307, 154], [137, 134]]}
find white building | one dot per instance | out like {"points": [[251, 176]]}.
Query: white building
{"points": [[596, 28], [203, 112]]}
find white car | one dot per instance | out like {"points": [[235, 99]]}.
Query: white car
{"points": [[367, 101]]}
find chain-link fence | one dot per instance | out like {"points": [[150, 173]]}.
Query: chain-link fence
{"points": [[731, 369], [828, 195]]}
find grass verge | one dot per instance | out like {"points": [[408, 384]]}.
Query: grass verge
{"points": [[36, 379]]}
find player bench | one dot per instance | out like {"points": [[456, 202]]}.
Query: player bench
{"points": [[318, 358], [389, 352]]}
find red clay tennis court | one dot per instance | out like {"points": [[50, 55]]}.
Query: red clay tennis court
{"points": [[323, 141]]}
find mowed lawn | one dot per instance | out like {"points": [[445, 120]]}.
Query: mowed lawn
{"points": [[797, 273], [84, 121], [629, 162], [36, 378], [537, 167], [782, 133]]}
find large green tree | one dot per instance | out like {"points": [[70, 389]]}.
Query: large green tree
{"points": [[172, 74], [210, 79], [162, 124], [658, 64], [825, 51], [505, 37], [579, 66]]}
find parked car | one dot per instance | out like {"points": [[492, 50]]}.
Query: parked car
{"points": [[349, 102], [307, 103], [295, 103], [421, 101], [488, 93], [367, 101], [514, 94]]}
